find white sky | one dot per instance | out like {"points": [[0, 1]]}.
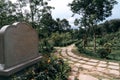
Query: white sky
{"points": [[63, 11]]}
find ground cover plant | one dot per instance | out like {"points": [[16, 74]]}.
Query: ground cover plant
{"points": [[49, 68], [108, 47]]}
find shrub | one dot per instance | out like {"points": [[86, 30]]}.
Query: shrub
{"points": [[48, 69], [66, 43], [102, 41], [85, 51], [114, 57], [103, 53], [45, 47], [80, 48], [78, 42], [62, 39]]}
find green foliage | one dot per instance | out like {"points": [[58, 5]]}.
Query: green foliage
{"points": [[62, 39], [78, 42], [85, 51], [95, 10], [108, 27], [45, 47], [63, 25], [47, 69], [102, 41], [92, 11], [103, 53], [114, 56], [80, 48], [7, 10]]}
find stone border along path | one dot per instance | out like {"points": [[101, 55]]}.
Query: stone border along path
{"points": [[98, 67]]}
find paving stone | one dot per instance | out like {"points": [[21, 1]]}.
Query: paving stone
{"points": [[75, 69], [71, 78], [73, 59], [105, 79], [112, 63], [65, 59], [86, 77], [91, 63], [72, 54], [100, 69], [103, 62], [114, 72], [113, 67], [80, 58], [82, 61], [102, 65], [63, 54], [77, 64], [87, 67], [73, 73], [93, 60], [85, 59]]}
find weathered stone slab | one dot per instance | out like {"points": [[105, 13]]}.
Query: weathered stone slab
{"points": [[18, 45], [82, 61], [75, 69], [77, 64], [86, 77], [103, 62], [91, 63], [71, 78], [93, 60], [86, 59], [113, 67], [112, 63], [100, 69], [102, 65], [114, 72], [87, 67]]}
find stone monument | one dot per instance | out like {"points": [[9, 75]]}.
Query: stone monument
{"points": [[18, 48]]}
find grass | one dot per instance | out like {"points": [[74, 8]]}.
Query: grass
{"points": [[115, 55], [75, 51], [115, 51]]}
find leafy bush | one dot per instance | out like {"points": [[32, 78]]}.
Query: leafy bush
{"points": [[45, 47], [80, 48], [47, 69], [62, 39], [66, 43], [103, 53], [85, 51], [102, 41], [78, 42], [114, 56]]}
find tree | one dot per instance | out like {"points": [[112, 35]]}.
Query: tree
{"points": [[7, 10], [49, 25], [63, 25], [92, 11], [35, 10], [110, 26]]}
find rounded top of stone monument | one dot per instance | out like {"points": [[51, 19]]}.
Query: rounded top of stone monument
{"points": [[4, 28]]}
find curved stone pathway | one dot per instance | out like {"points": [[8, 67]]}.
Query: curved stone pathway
{"points": [[84, 68]]}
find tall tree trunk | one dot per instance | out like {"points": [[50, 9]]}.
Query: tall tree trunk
{"points": [[94, 42], [85, 40], [84, 43]]}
